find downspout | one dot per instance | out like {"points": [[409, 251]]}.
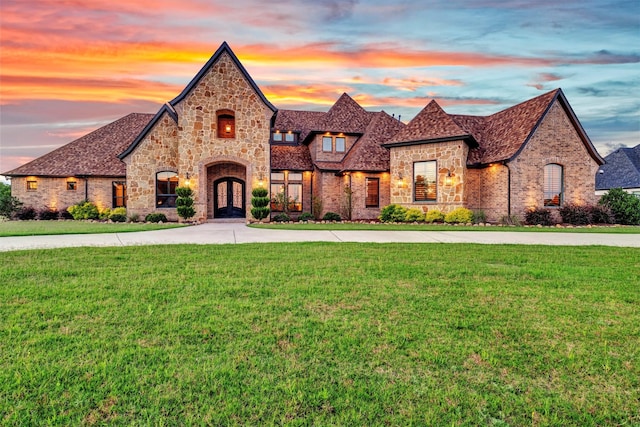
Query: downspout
{"points": [[508, 189]]}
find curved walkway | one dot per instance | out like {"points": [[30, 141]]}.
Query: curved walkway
{"points": [[231, 233]]}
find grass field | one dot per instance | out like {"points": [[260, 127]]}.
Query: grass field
{"points": [[34, 228], [320, 334]]}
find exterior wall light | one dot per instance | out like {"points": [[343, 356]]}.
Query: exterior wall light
{"points": [[448, 179], [187, 182]]}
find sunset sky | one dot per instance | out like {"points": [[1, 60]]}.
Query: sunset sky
{"points": [[70, 66]]}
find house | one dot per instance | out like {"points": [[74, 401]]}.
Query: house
{"points": [[222, 137], [621, 170]]}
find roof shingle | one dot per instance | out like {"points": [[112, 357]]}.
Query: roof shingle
{"points": [[95, 154], [621, 170]]}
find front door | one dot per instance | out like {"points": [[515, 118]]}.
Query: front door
{"points": [[229, 198]]}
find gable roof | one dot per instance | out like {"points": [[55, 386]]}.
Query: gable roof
{"points": [[165, 109], [368, 154], [431, 124], [499, 137], [291, 157], [224, 48], [95, 154], [346, 116], [301, 122], [621, 169]]}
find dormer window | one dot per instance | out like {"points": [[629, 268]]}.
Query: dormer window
{"points": [[226, 124], [284, 137]]}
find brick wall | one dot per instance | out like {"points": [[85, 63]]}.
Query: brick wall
{"points": [[487, 190], [53, 193], [359, 210]]}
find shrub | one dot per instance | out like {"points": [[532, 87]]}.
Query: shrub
{"points": [[282, 217], [316, 206], [8, 204], [331, 216], [459, 216], [65, 214], [155, 217], [84, 210], [538, 216], [575, 214], [118, 217], [260, 202], [184, 203], [479, 217], [305, 216], [434, 215], [48, 214], [511, 220], [414, 215], [600, 215], [119, 211], [104, 213], [393, 213], [624, 206], [26, 213], [134, 217]]}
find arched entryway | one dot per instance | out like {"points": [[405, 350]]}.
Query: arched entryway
{"points": [[229, 199]]}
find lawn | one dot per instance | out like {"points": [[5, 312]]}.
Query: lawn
{"points": [[320, 334], [34, 228]]}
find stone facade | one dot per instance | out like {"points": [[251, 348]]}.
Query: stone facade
{"points": [[52, 192], [193, 147], [450, 157]]}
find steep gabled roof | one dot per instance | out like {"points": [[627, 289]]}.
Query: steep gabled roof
{"points": [[346, 116], [95, 154], [430, 125], [621, 169], [224, 48], [368, 154]]}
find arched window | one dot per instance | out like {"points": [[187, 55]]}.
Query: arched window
{"points": [[226, 124], [166, 183], [553, 185]]}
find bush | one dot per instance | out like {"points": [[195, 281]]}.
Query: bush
{"points": [[118, 217], [26, 213], [624, 206], [434, 215], [414, 215], [48, 214], [155, 217], [479, 217], [306, 216], [65, 214], [459, 216], [134, 217], [600, 215], [9, 205], [575, 214], [282, 217], [260, 202], [331, 216], [510, 220], [84, 210], [393, 213], [104, 214], [538, 216], [119, 211], [184, 203]]}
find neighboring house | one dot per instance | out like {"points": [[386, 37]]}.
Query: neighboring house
{"points": [[222, 137], [621, 170]]}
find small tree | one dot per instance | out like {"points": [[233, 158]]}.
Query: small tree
{"points": [[8, 204], [260, 202], [184, 203], [624, 206]]}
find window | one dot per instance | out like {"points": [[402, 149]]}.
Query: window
{"points": [[286, 192], [288, 137], [166, 183], [340, 144], [119, 193], [372, 198], [32, 185], [424, 181], [276, 137], [553, 185], [72, 186], [226, 124], [327, 143]]}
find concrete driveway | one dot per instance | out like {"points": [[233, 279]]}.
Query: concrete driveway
{"points": [[233, 233]]}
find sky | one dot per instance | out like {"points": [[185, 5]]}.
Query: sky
{"points": [[68, 67]]}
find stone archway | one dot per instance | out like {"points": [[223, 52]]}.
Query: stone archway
{"points": [[226, 190]]}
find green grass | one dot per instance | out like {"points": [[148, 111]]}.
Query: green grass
{"points": [[320, 334], [35, 228], [441, 227]]}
